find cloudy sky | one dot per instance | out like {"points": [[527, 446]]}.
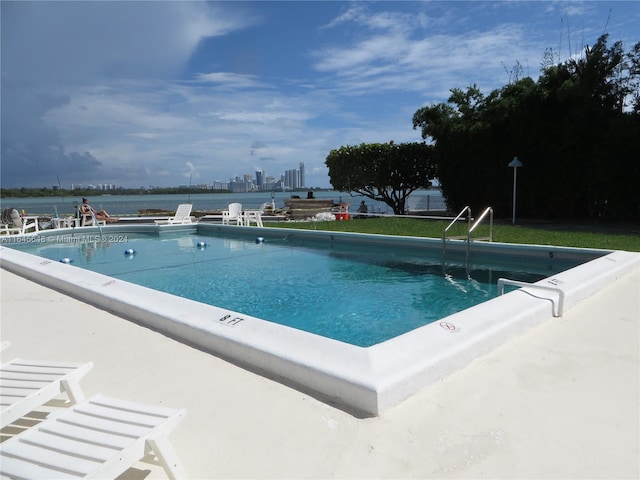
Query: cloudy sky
{"points": [[159, 92]]}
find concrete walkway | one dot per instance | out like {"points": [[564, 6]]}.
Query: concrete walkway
{"points": [[561, 401]]}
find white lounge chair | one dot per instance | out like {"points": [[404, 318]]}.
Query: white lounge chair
{"points": [[28, 384], [12, 222], [233, 214], [183, 215], [89, 220], [101, 437], [254, 216]]}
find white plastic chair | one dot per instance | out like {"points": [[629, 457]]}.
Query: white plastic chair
{"points": [[233, 214], [254, 216], [101, 437], [183, 215], [28, 384], [89, 220], [18, 224]]}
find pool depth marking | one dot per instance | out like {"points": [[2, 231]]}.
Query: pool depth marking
{"points": [[231, 320]]}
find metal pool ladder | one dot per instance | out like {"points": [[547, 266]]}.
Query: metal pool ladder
{"points": [[470, 228]]}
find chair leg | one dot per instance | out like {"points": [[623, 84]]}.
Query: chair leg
{"points": [[73, 390], [167, 457]]}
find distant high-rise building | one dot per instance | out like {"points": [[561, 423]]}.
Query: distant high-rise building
{"points": [[218, 185], [302, 179], [292, 179]]}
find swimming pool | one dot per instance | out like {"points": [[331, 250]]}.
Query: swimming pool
{"points": [[361, 380], [358, 294]]}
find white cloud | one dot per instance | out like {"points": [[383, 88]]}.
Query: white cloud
{"points": [[80, 83], [395, 57], [72, 42], [229, 79], [68, 51]]}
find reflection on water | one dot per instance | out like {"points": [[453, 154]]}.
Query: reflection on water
{"points": [[89, 249]]}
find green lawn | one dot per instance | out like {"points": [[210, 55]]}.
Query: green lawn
{"points": [[597, 236]]}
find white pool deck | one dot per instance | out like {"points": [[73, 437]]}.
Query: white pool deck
{"points": [[560, 401]]}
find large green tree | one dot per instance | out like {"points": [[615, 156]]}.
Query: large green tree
{"points": [[387, 172], [577, 131]]}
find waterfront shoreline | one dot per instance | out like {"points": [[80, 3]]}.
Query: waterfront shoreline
{"points": [[131, 205]]}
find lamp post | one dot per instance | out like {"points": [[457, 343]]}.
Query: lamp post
{"points": [[515, 163]]}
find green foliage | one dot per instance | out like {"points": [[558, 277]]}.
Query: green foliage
{"points": [[582, 236], [27, 192], [576, 130], [387, 172]]}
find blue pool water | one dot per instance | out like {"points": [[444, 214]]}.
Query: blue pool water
{"points": [[357, 295]]}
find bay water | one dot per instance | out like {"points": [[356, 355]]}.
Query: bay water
{"points": [[430, 200]]}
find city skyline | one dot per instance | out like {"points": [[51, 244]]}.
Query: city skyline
{"points": [[293, 179]]}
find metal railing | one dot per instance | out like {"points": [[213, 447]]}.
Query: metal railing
{"points": [[505, 281], [96, 222], [487, 211], [470, 228], [466, 210]]}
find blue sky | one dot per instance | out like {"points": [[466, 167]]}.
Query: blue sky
{"points": [[158, 92]]}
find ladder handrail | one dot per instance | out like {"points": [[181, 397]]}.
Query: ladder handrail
{"points": [[505, 281], [444, 234], [487, 210], [96, 222], [456, 219], [470, 229]]}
